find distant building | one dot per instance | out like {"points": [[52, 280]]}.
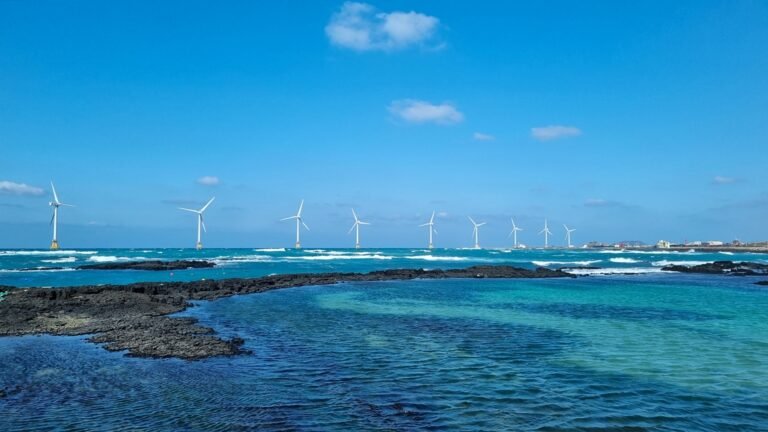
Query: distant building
{"points": [[663, 244], [714, 243]]}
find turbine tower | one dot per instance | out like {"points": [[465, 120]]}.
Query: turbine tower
{"points": [[55, 218], [356, 227], [200, 222], [514, 231], [546, 233], [432, 230], [568, 235], [299, 221], [476, 231]]}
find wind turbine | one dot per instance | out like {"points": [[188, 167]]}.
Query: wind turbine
{"points": [[568, 235], [356, 227], [546, 233], [200, 222], [476, 231], [514, 231], [431, 225], [55, 218], [299, 221]]}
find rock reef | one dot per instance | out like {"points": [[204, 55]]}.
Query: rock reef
{"points": [[134, 317], [722, 267], [154, 265]]}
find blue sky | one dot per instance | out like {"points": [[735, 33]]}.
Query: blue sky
{"points": [[641, 120]]}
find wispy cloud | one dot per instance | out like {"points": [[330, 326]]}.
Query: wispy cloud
{"points": [[479, 136], [417, 111], [723, 180], [553, 132], [12, 188], [360, 27], [208, 181]]}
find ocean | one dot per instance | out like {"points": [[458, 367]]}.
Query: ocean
{"points": [[627, 348]]}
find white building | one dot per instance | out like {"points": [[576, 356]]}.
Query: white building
{"points": [[663, 244]]}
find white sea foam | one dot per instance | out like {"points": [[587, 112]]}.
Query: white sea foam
{"points": [[612, 251], [437, 258], [549, 263], [622, 260], [60, 260], [726, 253], [342, 256], [664, 263], [38, 269], [241, 259], [614, 271], [270, 250], [111, 258], [45, 252]]}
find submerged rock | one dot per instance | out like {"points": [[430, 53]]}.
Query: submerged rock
{"points": [[155, 265], [722, 267], [133, 317], [765, 282]]}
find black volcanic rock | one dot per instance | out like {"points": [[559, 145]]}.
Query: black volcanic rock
{"points": [[133, 317], [765, 282], [155, 265], [722, 267]]}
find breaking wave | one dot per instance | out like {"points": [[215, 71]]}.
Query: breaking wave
{"points": [[613, 271], [60, 260], [549, 263], [664, 263], [624, 260], [437, 258], [45, 252]]}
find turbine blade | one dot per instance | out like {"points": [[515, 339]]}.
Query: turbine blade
{"points": [[289, 218], [472, 220], [305, 225], [189, 210], [432, 219], [434, 230], [55, 197], [52, 216], [353, 227], [66, 205], [363, 223], [354, 214], [301, 206], [424, 224], [202, 222], [207, 204], [481, 224]]}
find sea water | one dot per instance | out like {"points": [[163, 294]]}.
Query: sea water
{"points": [[652, 351]]}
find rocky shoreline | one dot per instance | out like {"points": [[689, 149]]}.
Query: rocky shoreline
{"points": [[133, 317], [151, 265], [723, 268]]}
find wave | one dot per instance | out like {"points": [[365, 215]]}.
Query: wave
{"points": [[437, 258], [110, 258], [664, 263], [613, 271], [45, 252], [60, 260], [38, 270], [611, 251], [270, 250], [342, 256], [549, 263], [726, 253], [241, 259], [621, 260]]}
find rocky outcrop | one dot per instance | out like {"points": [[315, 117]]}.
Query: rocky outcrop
{"points": [[155, 265], [722, 267], [134, 317]]}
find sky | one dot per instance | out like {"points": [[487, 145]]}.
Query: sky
{"points": [[624, 120]]}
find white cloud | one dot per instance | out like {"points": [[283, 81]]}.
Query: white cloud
{"points": [[548, 133], [479, 136], [416, 111], [208, 181], [11, 188], [721, 180], [360, 27]]}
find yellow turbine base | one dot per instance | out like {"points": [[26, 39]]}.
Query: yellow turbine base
{"points": [[54, 245], [298, 245], [199, 246]]}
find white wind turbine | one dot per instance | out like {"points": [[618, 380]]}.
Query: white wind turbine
{"points": [[200, 223], [432, 230], [514, 231], [356, 227], [476, 231], [299, 221], [55, 218], [546, 233], [568, 235]]}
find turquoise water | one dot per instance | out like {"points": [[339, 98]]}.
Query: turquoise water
{"points": [[643, 352], [30, 268], [649, 351]]}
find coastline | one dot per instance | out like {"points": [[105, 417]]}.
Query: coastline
{"points": [[134, 317]]}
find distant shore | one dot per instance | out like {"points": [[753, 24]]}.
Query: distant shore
{"points": [[133, 317]]}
